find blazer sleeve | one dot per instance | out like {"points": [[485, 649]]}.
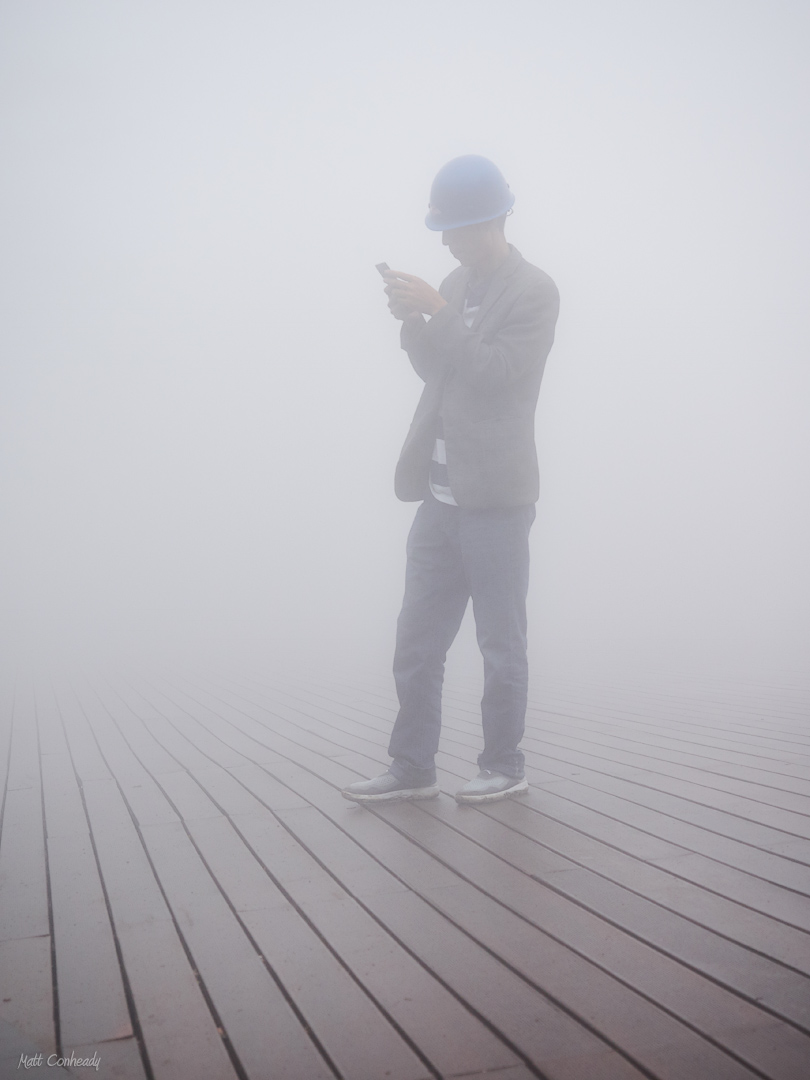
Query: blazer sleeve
{"points": [[493, 357], [419, 352]]}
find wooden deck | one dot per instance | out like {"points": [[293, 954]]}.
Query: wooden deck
{"points": [[185, 894]]}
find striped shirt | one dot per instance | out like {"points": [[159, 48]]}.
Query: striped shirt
{"points": [[439, 480]]}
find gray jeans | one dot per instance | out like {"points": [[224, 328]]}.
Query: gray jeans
{"points": [[455, 554]]}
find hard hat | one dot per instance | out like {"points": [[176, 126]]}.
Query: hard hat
{"points": [[466, 191]]}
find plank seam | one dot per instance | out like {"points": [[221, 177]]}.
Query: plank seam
{"points": [[543, 993], [8, 757], [610, 817], [259, 952], [657, 1004], [55, 985], [730, 990], [651, 899], [611, 922], [599, 772], [400, 1031], [483, 1020], [230, 1050], [128, 994]]}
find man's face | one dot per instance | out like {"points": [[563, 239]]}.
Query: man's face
{"points": [[470, 243]]}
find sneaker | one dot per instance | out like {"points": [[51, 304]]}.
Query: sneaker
{"points": [[387, 786], [489, 786]]}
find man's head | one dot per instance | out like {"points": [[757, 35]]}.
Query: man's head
{"points": [[476, 245], [469, 201]]}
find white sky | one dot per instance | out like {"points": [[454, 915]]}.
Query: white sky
{"points": [[202, 392]]}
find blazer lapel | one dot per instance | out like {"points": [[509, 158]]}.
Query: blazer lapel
{"points": [[499, 283]]}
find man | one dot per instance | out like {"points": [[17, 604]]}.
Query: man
{"points": [[470, 460]]}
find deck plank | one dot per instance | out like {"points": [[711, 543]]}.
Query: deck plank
{"points": [[708, 910], [26, 973], [231, 968], [26, 989], [90, 988], [562, 1047], [574, 981], [627, 826], [677, 989], [219, 910], [756, 977], [693, 784], [448, 1034], [331, 1000], [634, 834], [177, 1028], [325, 1020]]}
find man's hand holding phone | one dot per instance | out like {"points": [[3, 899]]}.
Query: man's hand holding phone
{"points": [[409, 296]]}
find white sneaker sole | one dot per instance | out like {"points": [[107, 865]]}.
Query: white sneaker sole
{"points": [[389, 796], [520, 788]]}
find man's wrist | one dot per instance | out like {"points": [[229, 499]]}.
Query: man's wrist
{"points": [[436, 311]]}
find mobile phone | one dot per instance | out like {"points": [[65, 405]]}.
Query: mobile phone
{"points": [[383, 268]]}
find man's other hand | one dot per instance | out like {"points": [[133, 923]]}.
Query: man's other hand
{"points": [[401, 312], [409, 295]]}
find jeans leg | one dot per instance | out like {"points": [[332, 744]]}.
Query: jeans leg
{"points": [[436, 596], [495, 545]]}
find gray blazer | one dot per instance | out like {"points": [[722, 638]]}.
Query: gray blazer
{"points": [[484, 381]]}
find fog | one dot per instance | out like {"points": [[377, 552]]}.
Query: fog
{"points": [[203, 396]]}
